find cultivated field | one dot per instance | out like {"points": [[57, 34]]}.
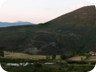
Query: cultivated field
{"points": [[17, 55], [83, 58]]}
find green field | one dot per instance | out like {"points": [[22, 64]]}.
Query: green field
{"points": [[38, 67], [72, 64]]}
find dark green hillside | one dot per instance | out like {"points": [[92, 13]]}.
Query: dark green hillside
{"points": [[72, 33]]}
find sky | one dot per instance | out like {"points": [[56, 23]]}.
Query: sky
{"points": [[37, 11]]}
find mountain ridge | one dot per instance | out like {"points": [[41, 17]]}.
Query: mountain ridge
{"points": [[18, 23]]}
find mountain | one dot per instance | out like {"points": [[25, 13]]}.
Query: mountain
{"points": [[69, 34], [82, 17], [19, 23]]}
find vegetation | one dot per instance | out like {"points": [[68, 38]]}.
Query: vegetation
{"points": [[51, 68], [63, 57], [1, 51]]}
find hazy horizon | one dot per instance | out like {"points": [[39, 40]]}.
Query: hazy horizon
{"points": [[38, 11]]}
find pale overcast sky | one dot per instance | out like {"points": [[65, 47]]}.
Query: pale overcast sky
{"points": [[38, 11]]}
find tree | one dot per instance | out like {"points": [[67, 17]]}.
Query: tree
{"points": [[2, 51], [53, 57], [63, 57], [47, 57]]}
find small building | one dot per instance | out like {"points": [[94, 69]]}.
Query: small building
{"points": [[32, 50], [92, 53]]}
